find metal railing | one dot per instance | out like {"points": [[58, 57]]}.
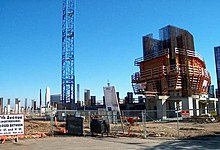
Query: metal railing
{"points": [[189, 53], [150, 56], [160, 53]]}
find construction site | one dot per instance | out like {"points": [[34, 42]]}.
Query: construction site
{"points": [[173, 82]]}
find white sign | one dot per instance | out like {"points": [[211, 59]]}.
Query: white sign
{"points": [[111, 100], [11, 124]]}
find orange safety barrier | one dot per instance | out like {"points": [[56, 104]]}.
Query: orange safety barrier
{"points": [[55, 122], [132, 121], [61, 130], [185, 112], [10, 137]]}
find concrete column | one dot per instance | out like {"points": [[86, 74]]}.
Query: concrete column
{"points": [[176, 104], [215, 105], [206, 109], [161, 109], [187, 104], [196, 107]]}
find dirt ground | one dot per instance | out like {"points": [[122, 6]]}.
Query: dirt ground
{"points": [[187, 129], [193, 134]]}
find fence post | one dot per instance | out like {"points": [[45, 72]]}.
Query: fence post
{"points": [[178, 132], [112, 117], [89, 119], [51, 123], [143, 122]]}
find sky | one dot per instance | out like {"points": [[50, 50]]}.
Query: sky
{"points": [[108, 38]]}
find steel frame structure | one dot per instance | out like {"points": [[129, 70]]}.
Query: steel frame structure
{"points": [[68, 77]]}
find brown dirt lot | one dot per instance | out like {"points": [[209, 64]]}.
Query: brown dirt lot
{"points": [[186, 129], [153, 129], [35, 126]]}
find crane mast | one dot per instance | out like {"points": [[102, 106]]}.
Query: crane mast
{"points": [[68, 77]]}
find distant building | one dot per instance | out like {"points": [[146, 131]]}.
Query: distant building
{"points": [[87, 101], [78, 104], [33, 105], [9, 106], [93, 100], [18, 105], [40, 99], [103, 99], [129, 98], [25, 107], [55, 99], [217, 64], [47, 97], [78, 92], [118, 96], [111, 99]]}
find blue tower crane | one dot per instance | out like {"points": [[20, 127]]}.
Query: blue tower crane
{"points": [[68, 77]]}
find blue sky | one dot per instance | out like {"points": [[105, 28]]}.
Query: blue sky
{"points": [[108, 38]]}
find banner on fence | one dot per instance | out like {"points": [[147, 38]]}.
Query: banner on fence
{"points": [[111, 100], [11, 124]]}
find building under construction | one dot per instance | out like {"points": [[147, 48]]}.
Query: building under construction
{"points": [[172, 73]]}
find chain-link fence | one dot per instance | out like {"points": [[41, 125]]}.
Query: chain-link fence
{"points": [[135, 123], [142, 123]]}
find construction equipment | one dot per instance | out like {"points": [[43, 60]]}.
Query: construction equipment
{"points": [[68, 77]]}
